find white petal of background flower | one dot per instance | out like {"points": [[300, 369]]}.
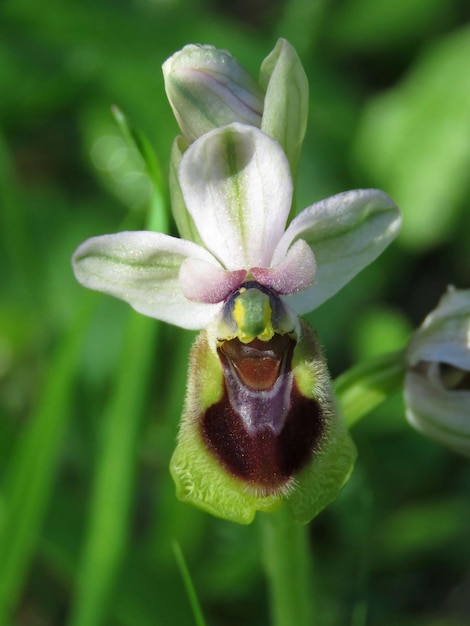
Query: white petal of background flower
{"points": [[437, 412], [444, 335], [142, 268]]}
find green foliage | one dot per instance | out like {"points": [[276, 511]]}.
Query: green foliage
{"points": [[90, 395]]}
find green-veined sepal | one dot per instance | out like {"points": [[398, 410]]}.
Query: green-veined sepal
{"points": [[285, 109], [184, 222]]}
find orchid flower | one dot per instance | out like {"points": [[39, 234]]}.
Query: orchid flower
{"points": [[437, 384], [260, 426]]}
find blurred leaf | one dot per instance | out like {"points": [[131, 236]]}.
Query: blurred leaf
{"points": [[148, 592], [309, 13], [377, 331], [414, 142], [140, 142], [112, 498], [239, 546], [16, 238], [137, 140], [422, 528], [30, 476], [363, 24], [117, 163]]}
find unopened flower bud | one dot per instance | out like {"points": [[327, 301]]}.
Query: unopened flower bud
{"points": [[208, 88]]}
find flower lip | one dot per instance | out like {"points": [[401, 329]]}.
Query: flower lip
{"points": [[258, 364], [259, 388], [263, 436]]}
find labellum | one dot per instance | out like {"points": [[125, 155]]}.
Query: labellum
{"points": [[263, 430], [259, 421]]}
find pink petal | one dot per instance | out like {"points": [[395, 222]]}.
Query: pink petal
{"points": [[294, 273], [205, 282]]}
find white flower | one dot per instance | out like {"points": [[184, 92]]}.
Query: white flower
{"points": [[437, 384], [260, 422]]}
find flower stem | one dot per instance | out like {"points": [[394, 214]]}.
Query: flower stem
{"points": [[188, 583], [365, 386], [288, 567]]}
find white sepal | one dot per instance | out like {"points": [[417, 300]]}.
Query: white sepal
{"points": [[142, 268]]}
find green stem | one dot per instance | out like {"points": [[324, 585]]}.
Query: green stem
{"points": [[287, 560], [287, 554], [363, 387], [188, 583]]}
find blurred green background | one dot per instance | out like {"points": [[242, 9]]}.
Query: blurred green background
{"points": [[91, 393]]}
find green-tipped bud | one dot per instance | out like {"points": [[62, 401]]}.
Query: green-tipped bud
{"points": [[207, 88], [260, 427], [285, 109], [437, 385]]}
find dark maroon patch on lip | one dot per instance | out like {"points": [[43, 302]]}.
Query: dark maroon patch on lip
{"points": [[261, 457]]}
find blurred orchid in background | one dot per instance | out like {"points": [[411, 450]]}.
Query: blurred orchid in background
{"points": [[437, 384]]}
